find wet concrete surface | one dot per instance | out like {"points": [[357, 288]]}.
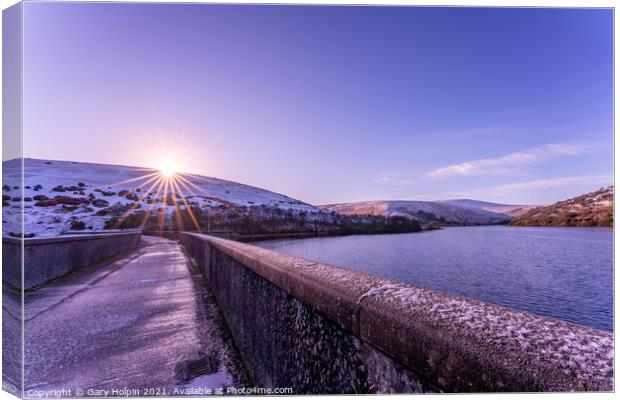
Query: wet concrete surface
{"points": [[11, 339], [131, 324]]}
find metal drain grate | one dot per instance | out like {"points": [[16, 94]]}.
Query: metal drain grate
{"points": [[203, 366], [188, 370]]}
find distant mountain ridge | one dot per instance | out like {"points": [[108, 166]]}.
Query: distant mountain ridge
{"points": [[61, 197], [67, 196], [591, 209], [508, 209], [427, 212]]}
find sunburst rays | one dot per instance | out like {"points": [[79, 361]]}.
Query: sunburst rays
{"points": [[164, 189]]}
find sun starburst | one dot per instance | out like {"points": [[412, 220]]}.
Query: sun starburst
{"points": [[167, 169]]}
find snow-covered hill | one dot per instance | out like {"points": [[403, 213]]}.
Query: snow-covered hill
{"points": [[423, 211], [64, 196], [508, 209], [59, 193]]}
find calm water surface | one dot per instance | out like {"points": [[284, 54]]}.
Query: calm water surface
{"points": [[566, 273]]}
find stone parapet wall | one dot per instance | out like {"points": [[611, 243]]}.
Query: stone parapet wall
{"points": [[319, 328], [48, 258]]}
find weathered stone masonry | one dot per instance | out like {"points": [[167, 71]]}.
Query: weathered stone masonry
{"points": [[49, 258], [323, 329]]}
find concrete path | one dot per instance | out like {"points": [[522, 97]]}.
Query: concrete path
{"points": [[134, 327]]}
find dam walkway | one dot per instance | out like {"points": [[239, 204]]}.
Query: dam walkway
{"points": [[141, 324], [145, 324]]}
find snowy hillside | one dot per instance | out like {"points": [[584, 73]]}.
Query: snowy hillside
{"points": [[62, 194], [423, 211], [65, 196], [508, 209]]}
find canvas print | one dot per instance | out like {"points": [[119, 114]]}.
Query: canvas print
{"points": [[243, 199]]}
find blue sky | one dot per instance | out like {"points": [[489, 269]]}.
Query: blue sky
{"points": [[329, 104]]}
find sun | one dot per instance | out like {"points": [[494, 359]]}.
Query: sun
{"points": [[167, 169]]}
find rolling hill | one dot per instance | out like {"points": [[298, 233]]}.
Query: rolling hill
{"points": [[426, 212], [67, 196], [60, 196], [591, 209], [508, 209]]}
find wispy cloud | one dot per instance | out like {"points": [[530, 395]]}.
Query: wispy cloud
{"points": [[554, 182], [513, 163], [539, 191]]}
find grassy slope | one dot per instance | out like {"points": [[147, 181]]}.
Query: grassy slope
{"points": [[591, 209]]}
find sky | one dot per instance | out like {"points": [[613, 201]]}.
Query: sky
{"points": [[329, 104]]}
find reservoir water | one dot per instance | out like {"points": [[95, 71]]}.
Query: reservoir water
{"points": [[565, 273]]}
